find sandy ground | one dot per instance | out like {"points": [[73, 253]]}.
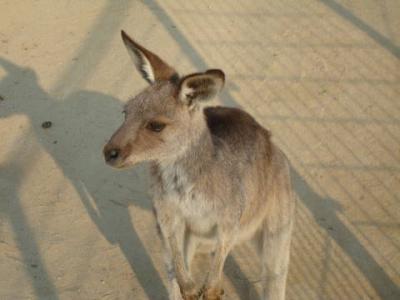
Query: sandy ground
{"points": [[323, 75]]}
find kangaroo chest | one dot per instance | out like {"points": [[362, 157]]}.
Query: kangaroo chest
{"points": [[188, 198]]}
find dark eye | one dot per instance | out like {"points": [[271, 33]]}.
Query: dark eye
{"points": [[155, 126]]}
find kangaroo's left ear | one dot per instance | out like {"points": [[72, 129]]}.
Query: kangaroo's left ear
{"points": [[201, 86], [151, 67]]}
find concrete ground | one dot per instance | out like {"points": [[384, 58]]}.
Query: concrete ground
{"points": [[323, 75]]}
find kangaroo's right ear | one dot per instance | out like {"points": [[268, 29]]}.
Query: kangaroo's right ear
{"points": [[201, 86], [147, 63]]}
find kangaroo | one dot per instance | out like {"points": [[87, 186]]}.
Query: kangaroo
{"points": [[218, 179]]}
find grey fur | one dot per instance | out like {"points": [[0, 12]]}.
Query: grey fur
{"points": [[218, 180]]}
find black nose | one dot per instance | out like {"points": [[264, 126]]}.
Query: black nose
{"points": [[111, 155]]}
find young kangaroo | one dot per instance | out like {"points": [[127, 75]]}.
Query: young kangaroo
{"points": [[218, 178]]}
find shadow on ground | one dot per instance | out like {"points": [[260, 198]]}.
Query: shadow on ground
{"points": [[80, 161], [78, 116], [74, 117]]}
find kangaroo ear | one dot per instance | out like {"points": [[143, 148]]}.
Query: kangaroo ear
{"points": [[201, 86], [147, 63]]}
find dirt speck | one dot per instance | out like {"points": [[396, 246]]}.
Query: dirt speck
{"points": [[47, 124]]}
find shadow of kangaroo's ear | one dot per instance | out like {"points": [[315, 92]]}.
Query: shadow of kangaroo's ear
{"points": [[16, 71], [147, 63], [9, 66]]}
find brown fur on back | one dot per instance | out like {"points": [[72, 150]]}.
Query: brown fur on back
{"points": [[238, 129]]}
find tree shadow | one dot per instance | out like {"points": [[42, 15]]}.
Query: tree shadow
{"points": [[79, 125], [10, 208], [364, 26], [325, 213]]}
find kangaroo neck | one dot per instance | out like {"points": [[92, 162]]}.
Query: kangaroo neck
{"points": [[198, 155]]}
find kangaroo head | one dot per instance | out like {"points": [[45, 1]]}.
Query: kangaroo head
{"points": [[161, 121]]}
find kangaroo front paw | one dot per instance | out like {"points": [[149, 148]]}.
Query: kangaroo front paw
{"points": [[213, 294], [191, 294]]}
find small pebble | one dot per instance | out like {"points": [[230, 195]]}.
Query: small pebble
{"points": [[47, 124]]}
